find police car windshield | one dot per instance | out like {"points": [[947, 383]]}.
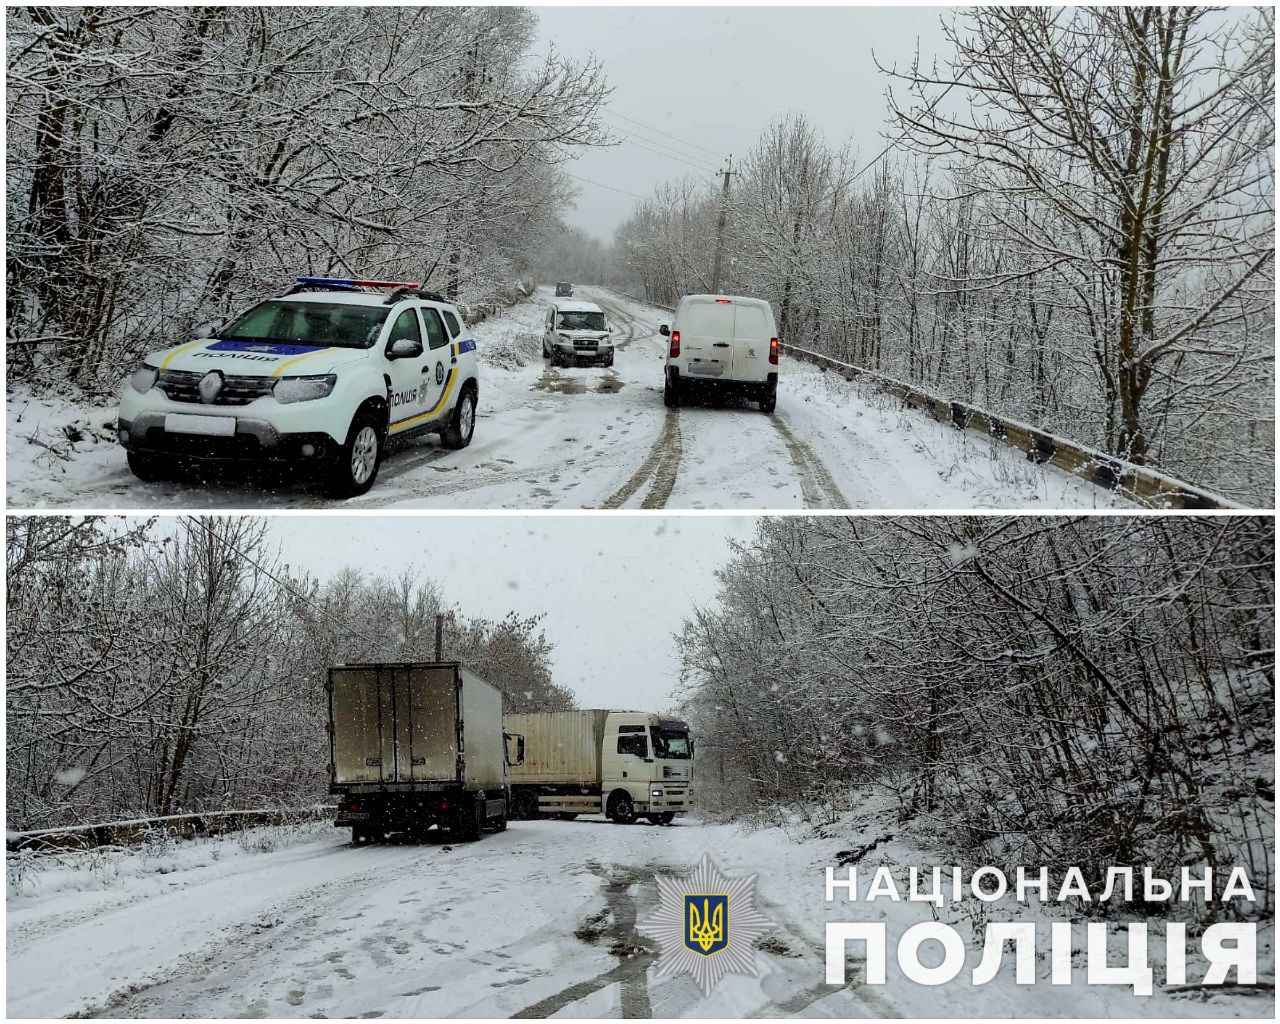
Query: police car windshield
{"points": [[673, 745], [573, 320], [336, 324]]}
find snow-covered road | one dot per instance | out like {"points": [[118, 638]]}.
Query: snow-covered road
{"points": [[535, 921], [588, 437]]}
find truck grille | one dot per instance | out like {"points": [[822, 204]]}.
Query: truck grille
{"points": [[184, 386]]}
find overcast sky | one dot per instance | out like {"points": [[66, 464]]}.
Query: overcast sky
{"points": [[614, 588], [713, 78]]}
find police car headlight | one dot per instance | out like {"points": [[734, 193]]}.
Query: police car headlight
{"points": [[143, 379], [304, 389]]}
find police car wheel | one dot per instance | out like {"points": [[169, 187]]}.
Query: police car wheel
{"points": [[149, 468], [463, 424], [356, 467]]}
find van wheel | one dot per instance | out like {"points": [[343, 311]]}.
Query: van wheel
{"points": [[621, 810], [463, 424], [769, 398], [671, 393], [356, 468]]}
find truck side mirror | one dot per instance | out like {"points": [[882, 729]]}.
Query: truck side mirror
{"points": [[665, 331]]}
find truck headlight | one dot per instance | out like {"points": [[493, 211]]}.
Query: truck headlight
{"points": [[655, 792], [304, 389], [143, 379]]}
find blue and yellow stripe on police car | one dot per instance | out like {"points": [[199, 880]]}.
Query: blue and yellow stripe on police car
{"points": [[434, 410], [164, 363], [297, 359]]}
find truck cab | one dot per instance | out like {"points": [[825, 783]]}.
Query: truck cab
{"points": [[624, 764], [647, 767]]}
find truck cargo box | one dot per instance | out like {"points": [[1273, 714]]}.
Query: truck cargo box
{"points": [[414, 725], [560, 747]]}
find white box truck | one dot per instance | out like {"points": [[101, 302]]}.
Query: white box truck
{"points": [[416, 744], [625, 764]]}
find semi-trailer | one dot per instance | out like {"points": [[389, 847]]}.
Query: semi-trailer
{"points": [[625, 764]]}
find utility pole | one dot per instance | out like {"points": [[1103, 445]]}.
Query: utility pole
{"points": [[724, 204]]}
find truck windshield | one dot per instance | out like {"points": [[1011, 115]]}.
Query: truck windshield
{"points": [[674, 745], [575, 320], [335, 324]]}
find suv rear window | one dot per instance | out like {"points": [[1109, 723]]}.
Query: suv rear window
{"points": [[336, 324]]}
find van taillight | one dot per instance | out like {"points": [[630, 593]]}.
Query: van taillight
{"points": [[773, 351], [675, 344]]}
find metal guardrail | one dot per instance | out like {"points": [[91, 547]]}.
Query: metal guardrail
{"points": [[178, 826], [1139, 484]]}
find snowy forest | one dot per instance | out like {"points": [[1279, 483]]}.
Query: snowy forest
{"points": [[158, 670], [170, 164], [1071, 224], [1019, 690]]}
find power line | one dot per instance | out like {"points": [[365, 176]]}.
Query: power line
{"points": [[650, 128], [670, 156], [630, 135], [611, 188]]}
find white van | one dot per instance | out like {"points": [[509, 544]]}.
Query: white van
{"points": [[725, 341]]}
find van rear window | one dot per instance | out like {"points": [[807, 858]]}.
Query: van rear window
{"points": [[707, 320], [751, 324]]}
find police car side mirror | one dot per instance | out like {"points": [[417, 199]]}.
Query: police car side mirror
{"points": [[403, 348], [664, 330]]}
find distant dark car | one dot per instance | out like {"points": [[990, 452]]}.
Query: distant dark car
{"points": [[563, 290]]}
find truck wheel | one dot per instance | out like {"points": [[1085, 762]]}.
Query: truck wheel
{"points": [[667, 817], [457, 434], [621, 810], [671, 394], [356, 466], [358, 835], [469, 825], [525, 807], [566, 817], [149, 468], [769, 398], [500, 823]]}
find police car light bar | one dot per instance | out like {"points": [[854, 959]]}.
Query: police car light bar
{"points": [[346, 282]]}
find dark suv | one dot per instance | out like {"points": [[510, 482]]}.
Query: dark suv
{"points": [[564, 290]]}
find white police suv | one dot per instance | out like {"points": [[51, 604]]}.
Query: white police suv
{"points": [[320, 376]]}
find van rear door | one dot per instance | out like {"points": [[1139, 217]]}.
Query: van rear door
{"points": [[752, 329], [706, 336]]}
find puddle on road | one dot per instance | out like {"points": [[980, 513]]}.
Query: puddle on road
{"points": [[555, 383]]}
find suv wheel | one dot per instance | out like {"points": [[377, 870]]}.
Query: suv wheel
{"points": [[149, 468], [463, 424], [356, 467]]}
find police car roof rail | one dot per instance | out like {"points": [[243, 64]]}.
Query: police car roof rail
{"points": [[414, 293]]}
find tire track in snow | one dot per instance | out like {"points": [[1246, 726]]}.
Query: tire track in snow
{"points": [[662, 464], [815, 479]]}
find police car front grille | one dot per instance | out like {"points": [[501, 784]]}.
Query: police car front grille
{"points": [[184, 386]]}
